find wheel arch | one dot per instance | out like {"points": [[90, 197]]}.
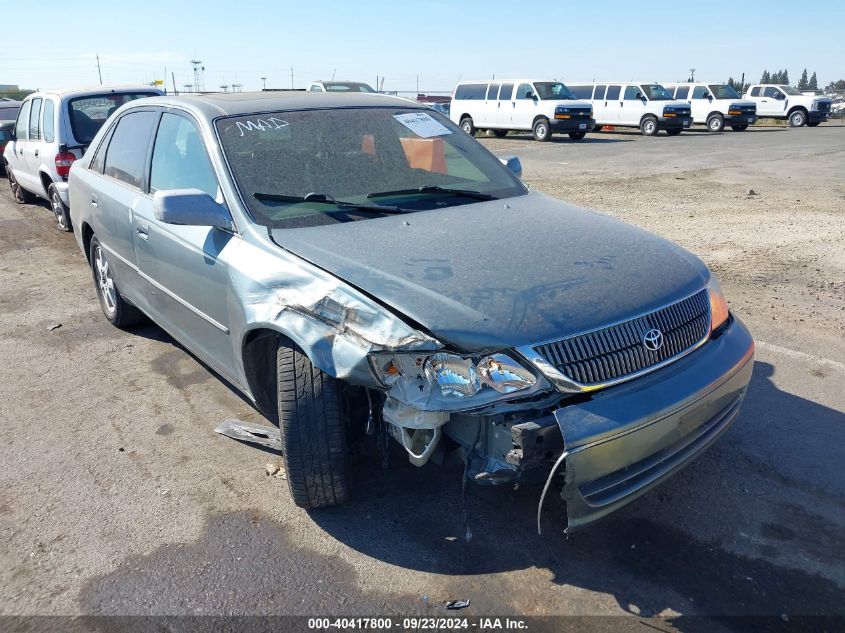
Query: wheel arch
{"points": [[797, 107], [87, 236], [46, 180], [714, 113], [465, 115], [537, 118], [647, 115]]}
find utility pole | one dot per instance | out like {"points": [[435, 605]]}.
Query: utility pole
{"points": [[692, 75], [291, 77], [173, 76], [263, 83], [99, 70], [198, 78]]}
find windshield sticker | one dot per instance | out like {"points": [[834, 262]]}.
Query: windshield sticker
{"points": [[422, 124], [261, 125]]}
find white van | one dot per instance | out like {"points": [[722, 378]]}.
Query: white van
{"points": [[52, 130], [716, 105], [543, 107], [649, 107]]}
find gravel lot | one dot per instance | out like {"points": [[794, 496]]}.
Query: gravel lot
{"points": [[117, 497]]}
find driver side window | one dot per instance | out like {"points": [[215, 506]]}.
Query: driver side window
{"points": [[632, 92], [772, 92], [699, 92], [525, 91], [180, 160]]}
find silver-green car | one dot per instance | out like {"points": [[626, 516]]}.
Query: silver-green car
{"points": [[357, 263]]}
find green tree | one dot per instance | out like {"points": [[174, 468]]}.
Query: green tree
{"points": [[802, 83], [784, 77], [813, 83], [765, 78]]}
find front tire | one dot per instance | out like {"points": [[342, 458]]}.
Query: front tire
{"points": [[468, 126], [117, 310], [19, 194], [674, 131], [648, 126], [60, 210], [577, 136], [500, 133], [313, 431], [813, 123], [715, 123], [739, 128], [542, 131], [797, 118]]}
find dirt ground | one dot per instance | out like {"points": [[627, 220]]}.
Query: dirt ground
{"points": [[116, 497]]}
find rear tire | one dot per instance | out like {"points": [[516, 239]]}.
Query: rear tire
{"points": [[313, 431], [542, 131], [500, 133], [648, 126], [798, 118], [468, 126], [117, 310], [715, 123], [739, 128], [19, 194], [577, 136], [813, 123], [60, 210]]}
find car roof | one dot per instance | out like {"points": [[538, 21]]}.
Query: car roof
{"points": [[96, 90], [235, 103]]}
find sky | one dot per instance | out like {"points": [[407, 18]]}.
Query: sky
{"points": [[434, 42]]}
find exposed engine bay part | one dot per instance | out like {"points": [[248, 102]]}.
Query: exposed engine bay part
{"points": [[268, 436], [420, 444]]}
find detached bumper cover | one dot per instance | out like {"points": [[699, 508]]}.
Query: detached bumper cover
{"points": [[627, 439]]}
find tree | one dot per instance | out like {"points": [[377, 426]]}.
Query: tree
{"points": [[803, 83], [813, 84], [784, 77], [765, 78], [836, 85]]}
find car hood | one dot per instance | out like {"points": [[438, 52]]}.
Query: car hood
{"points": [[499, 274]]}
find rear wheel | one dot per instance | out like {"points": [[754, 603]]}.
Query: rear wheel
{"points": [[468, 126], [19, 194], [542, 131], [313, 431], [797, 118], [577, 136], [117, 310], [648, 126], [813, 123], [500, 133], [739, 128], [60, 210], [715, 123]]}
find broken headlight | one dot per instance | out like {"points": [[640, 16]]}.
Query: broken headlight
{"points": [[445, 381]]}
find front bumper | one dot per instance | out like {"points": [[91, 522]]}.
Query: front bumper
{"points": [[674, 122], [578, 124], [627, 439], [740, 119], [814, 116], [61, 187]]}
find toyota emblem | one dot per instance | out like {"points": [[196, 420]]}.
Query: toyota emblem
{"points": [[653, 339]]}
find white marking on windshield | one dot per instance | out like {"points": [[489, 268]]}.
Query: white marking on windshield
{"points": [[261, 125]]}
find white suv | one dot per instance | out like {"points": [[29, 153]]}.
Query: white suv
{"points": [[649, 107], [542, 107], [785, 102], [716, 105], [52, 130]]}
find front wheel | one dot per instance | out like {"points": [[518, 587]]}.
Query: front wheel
{"points": [[541, 130], [674, 131], [468, 126], [313, 431], [739, 128], [648, 126], [500, 133], [715, 123], [813, 123], [577, 136], [117, 310], [60, 210], [797, 118], [19, 194]]}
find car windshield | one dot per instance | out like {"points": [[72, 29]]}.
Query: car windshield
{"points": [[347, 86], [553, 90], [311, 167], [723, 91], [656, 92], [87, 114], [790, 90]]}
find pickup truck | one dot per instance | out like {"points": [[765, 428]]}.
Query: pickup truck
{"points": [[785, 102]]}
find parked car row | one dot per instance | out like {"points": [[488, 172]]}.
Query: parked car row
{"points": [[548, 107], [356, 264]]}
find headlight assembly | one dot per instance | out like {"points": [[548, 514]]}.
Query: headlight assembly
{"points": [[718, 305]]}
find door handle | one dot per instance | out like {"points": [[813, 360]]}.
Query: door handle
{"points": [[94, 200], [143, 230], [36, 153]]}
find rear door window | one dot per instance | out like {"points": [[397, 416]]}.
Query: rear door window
{"points": [[48, 130], [35, 120], [87, 114], [682, 92], [755, 91], [600, 92], [22, 125], [492, 91], [471, 92], [613, 92], [505, 92], [126, 156], [582, 92]]}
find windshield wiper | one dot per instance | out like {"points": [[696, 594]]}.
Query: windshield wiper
{"points": [[322, 198], [466, 193]]}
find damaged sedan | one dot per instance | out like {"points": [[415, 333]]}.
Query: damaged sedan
{"points": [[357, 264]]}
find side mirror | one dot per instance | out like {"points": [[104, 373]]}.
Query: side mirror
{"points": [[639, 95], [190, 207], [530, 95], [512, 163]]}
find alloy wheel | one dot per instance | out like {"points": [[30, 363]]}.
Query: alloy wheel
{"points": [[105, 283]]}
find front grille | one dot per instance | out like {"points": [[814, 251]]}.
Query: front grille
{"points": [[581, 112], [823, 106], [615, 352]]}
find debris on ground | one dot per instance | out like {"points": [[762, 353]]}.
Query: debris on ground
{"points": [[276, 470], [54, 326], [267, 436], [454, 605], [751, 192]]}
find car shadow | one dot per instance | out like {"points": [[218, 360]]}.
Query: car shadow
{"points": [[590, 138]]}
